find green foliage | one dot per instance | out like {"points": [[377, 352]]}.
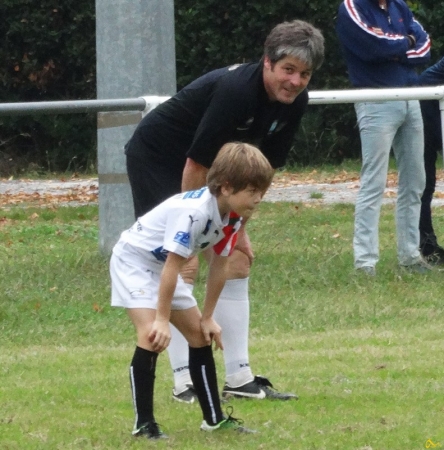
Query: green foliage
{"points": [[48, 53]]}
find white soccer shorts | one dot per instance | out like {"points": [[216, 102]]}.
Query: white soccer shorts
{"points": [[136, 287]]}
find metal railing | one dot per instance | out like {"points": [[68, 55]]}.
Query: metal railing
{"points": [[147, 102]]}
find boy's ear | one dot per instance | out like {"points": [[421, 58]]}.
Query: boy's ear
{"points": [[226, 189]]}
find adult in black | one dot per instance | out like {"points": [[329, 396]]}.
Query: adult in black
{"points": [[432, 252], [174, 145]]}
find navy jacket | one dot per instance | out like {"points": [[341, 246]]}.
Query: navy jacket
{"points": [[433, 76], [375, 43]]}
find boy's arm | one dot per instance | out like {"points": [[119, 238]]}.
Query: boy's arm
{"points": [[160, 334], [215, 282]]}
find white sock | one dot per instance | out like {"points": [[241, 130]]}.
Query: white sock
{"points": [[178, 354], [233, 314]]}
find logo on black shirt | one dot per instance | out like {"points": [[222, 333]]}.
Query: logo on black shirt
{"points": [[246, 125]]}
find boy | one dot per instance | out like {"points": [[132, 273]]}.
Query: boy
{"points": [[145, 268]]}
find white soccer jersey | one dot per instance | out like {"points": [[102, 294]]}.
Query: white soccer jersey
{"points": [[185, 224]]}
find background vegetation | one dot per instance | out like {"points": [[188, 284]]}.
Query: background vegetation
{"points": [[48, 50]]}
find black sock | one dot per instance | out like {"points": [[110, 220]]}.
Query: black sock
{"points": [[142, 375], [203, 375]]}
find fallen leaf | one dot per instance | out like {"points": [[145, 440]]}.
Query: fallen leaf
{"points": [[97, 308]]}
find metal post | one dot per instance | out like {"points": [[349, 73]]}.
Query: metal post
{"points": [[135, 57]]}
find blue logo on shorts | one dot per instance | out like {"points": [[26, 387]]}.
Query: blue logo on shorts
{"points": [[182, 238]]}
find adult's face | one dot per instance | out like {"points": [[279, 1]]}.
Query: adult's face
{"points": [[285, 79]]}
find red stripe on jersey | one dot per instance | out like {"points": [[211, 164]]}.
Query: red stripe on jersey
{"points": [[228, 231]]}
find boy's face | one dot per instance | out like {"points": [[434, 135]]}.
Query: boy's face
{"points": [[242, 202], [285, 79]]}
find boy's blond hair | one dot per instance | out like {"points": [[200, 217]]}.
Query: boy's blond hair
{"points": [[239, 165]]}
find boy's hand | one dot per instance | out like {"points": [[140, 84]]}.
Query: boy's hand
{"points": [[160, 336], [212, 332]]}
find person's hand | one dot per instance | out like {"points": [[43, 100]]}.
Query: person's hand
{"points": [[212, 332], [160, 335]]}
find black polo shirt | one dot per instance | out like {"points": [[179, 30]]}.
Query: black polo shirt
{"points": [[225, 105]]}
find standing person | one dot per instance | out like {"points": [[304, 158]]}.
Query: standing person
{"points": [[431, 251], [383, 44], [174, 146], [145, 272]]}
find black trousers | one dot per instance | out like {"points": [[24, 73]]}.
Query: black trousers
{"points": [[151, 183], [432, 145]]}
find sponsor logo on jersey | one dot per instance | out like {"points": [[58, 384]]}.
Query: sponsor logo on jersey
{"points": [[192, 220], [182, 238], [194, 194], [160, 253]]}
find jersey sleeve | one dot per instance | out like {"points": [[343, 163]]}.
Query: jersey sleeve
{"points": [[181, 230]]}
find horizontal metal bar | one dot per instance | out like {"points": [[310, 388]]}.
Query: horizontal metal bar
{"points": [[375, 95], [147, 103], [72, 106]]}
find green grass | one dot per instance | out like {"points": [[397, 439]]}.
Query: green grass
{"points": [[364, 354]]}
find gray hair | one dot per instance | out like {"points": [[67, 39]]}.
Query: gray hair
{"points": [[298, 39]]}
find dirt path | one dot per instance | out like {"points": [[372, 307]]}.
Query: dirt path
{"points": [[286, 187]]}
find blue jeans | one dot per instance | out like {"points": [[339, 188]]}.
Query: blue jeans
{"points": [[385, 125]]}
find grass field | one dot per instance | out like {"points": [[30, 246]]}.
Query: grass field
{"points": [[364, 354]]}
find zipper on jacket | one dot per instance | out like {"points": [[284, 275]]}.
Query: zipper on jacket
{"points": [[384, 7]]}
